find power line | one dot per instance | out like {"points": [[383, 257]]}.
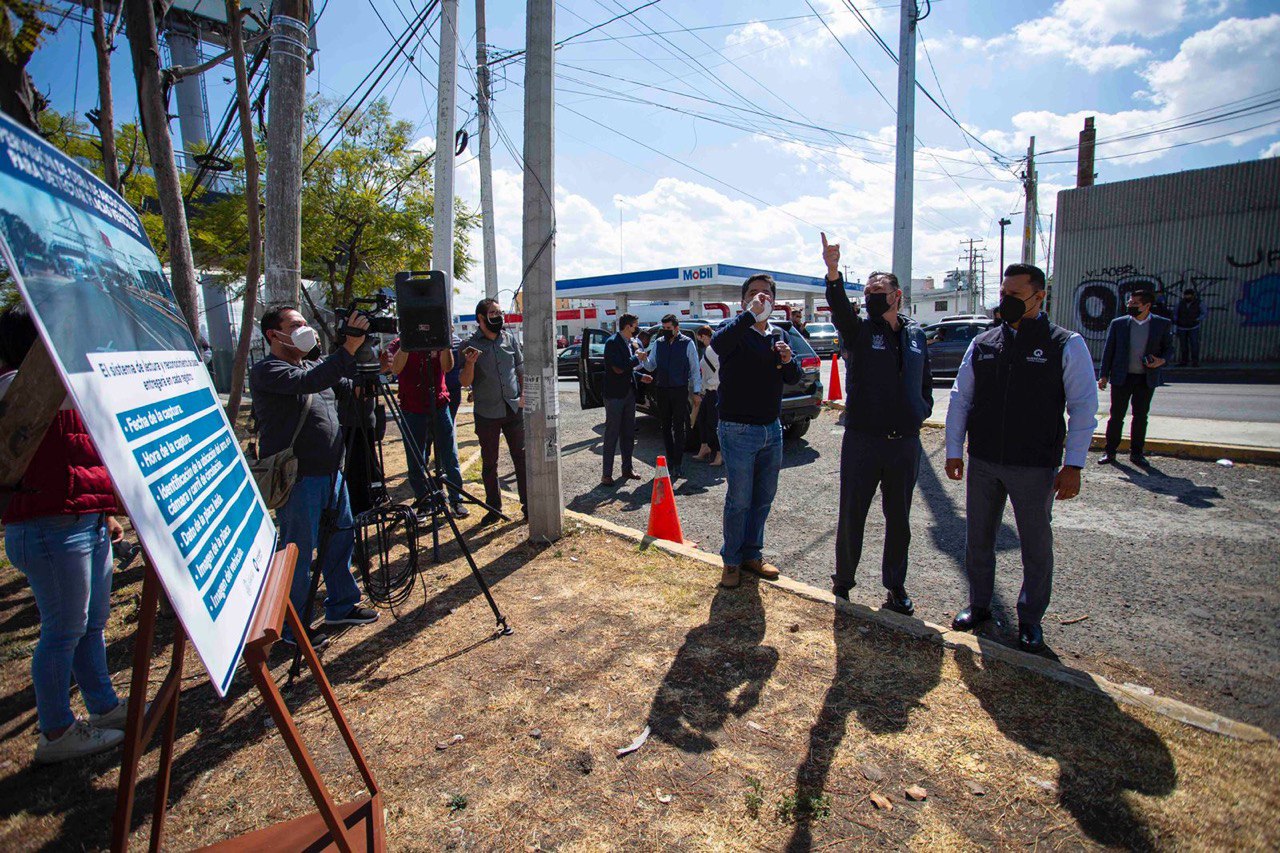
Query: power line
{"points": [[1170, 147], [510, 56]]}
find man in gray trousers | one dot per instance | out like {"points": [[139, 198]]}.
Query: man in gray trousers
{"points": [[1014, 384]]}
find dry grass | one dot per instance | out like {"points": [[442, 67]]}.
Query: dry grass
{"points": [[768, 715]]}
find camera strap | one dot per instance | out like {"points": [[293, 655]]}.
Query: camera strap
{"points": [[302, 419]]}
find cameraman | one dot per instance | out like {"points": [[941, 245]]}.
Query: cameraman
{"points": [[287, 386], [422, 377]]}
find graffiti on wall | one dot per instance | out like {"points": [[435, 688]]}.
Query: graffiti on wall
{"points": [[1251, 296]]}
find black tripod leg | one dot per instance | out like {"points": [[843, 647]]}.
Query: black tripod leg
{"points": [[503, 627], [308, 612]]}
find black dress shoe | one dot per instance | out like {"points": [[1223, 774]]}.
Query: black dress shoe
{"points": [[840, 591], [1107, 458], [490, 517], [1139, 460], [1031, 639], [970, 618], [899, 602]]}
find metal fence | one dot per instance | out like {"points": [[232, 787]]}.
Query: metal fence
{"points": [[1215, 231]]}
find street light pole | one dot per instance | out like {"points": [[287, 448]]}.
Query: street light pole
{"points": [[904, 159], [1004, 223]]}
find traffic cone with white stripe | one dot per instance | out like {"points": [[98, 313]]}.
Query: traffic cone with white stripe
{"points": [[834, 393], [664, 522]]}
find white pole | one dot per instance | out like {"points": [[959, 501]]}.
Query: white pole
{"points": [[542, 439], [442, 236], [488, 236], [904, 161]]}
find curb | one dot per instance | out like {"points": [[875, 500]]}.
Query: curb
{"points": [[1172, 708], [1164, 446]]}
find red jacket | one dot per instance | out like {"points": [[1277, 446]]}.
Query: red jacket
{"points": [[65, 477], [421, 373]]}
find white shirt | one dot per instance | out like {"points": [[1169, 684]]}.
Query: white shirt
{"points": [[710, 369], [1078, 381], [695, 372]]}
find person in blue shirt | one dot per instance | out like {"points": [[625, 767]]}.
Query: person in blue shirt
{"points": [[620, 363], [1014, 384], [755, 362], [673, 363]]}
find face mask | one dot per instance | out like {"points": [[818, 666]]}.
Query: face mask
{"points": [[669, 334], [494, 325], [767, 309], [304, 339], [1133, 311], [1012, 309], [877, 304]]}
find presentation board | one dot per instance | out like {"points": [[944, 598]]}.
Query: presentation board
{"points": [[82, 260]]}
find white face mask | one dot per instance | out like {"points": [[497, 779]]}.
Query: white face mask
{"points": [[767, 309], [304, 339]]}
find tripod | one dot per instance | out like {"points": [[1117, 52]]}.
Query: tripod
{"points": [[434, 501]]}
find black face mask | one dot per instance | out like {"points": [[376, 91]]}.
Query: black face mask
{"points": [[877, 304], [1188, 299], [494, 325], [1012, 309], [669, 334], [1133, 311]]}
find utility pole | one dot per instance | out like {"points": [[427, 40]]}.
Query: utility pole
{"points": [[981, 300], [487, 224], [904, 171], [970, 256], [144, 47], [287, 79], [1004, 223], [1029, 209], [542, 408], [1084, 156], [442, 233]]}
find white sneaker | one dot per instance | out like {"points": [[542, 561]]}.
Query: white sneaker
{"points": [[115, 718], [78, 741]]}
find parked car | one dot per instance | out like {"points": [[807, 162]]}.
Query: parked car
{"points": [[567, 361], [948, 341], [801, 402], [824, 338]]}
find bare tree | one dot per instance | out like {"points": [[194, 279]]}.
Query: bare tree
{"points": [[104, 44], [254, 211], [143, 44]]}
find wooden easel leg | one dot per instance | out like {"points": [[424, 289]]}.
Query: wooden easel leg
{"points": [[164, 771], [134, 745], [257, 666]]}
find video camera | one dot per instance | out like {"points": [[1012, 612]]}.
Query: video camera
{"points": [[382, 321]]}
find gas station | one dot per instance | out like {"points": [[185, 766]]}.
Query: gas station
{"points": [[708, 289]]}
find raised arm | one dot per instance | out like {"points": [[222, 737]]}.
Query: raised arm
{"points": [[843, 313], [280, 377]]}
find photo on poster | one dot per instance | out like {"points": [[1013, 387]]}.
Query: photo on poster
{"points": [[106, 312]]}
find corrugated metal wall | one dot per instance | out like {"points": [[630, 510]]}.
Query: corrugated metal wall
{"points": [[1214, 230]]}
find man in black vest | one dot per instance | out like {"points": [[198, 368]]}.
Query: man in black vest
{"points": [[890, 393], [673, 361], [1014, 384]]}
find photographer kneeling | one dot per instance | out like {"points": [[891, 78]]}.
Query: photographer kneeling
{"points": [[295, 396]]}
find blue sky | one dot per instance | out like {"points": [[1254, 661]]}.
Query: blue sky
{"points": [[642, 182]]}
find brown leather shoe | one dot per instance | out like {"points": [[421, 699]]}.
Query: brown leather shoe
{"points": [[731, 577], [768, 571]]}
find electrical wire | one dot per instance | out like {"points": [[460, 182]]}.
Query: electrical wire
{"points": [[1169, 147]]}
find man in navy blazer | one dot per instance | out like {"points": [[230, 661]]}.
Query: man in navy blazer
{"points": [[1137, 347]]}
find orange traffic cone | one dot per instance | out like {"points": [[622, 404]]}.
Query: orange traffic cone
{"points": [[833, 388], [664, 523]]}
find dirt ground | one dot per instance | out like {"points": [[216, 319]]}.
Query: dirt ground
{"points": [[773, 722]]}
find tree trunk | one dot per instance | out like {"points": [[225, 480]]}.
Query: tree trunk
{"points": [[254, 212], [353, 262], [145, 48], [106, 109], [19, 98]]}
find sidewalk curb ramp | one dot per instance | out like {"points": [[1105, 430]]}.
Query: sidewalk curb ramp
{"points": [[1168, 447]]}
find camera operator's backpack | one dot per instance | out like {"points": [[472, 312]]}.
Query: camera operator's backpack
{"points": [[276, 474]]}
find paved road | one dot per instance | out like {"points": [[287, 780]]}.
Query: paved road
{"points": [[1175, 569]]}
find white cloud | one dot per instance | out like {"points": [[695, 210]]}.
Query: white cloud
{"points": [[1273, 150], [1233, 59]]}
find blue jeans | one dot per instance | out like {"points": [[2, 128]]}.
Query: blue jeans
{"points": [[752, 458], [445, 440], [67, 561], [299, 523]]}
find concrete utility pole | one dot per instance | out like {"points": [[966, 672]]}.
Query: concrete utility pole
{"points": [[287, 79], [442, 230], [1030, 209], [1084, 157], [971, 257], [488, 236], [1005, 222], [542, 408], [905, 159]]}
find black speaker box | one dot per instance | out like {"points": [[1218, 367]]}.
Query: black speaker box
{"points": [[422, 300]]}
